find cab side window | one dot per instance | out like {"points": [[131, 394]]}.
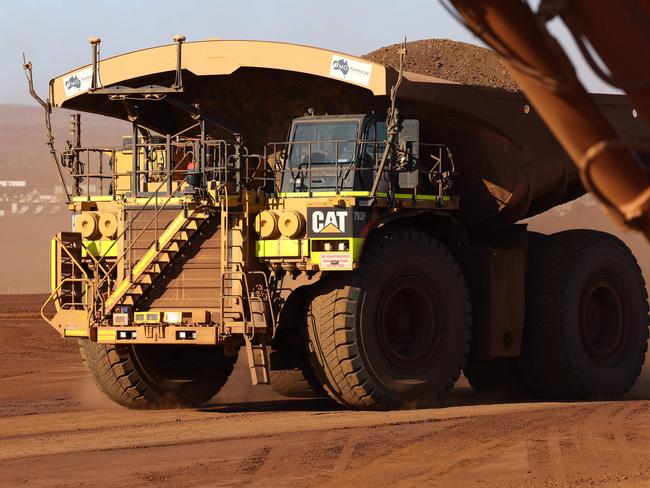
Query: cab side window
{"points": [[372, 153], [375, 137]]}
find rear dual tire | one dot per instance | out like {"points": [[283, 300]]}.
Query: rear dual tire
{"points": [[586, 317]]}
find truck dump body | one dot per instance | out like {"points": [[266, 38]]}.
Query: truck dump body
{"points": [[510, 166]]}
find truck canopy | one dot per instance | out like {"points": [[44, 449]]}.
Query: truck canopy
{"points": [[511, 166]]}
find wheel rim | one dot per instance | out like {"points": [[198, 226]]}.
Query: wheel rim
{"points": [[409, 325], [602, 324]]}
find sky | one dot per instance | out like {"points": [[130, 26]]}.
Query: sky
{"points": [[54, 34]]}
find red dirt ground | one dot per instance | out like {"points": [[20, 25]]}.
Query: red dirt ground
{"points": [[56, 430]]}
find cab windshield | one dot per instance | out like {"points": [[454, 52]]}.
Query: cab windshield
{"points": [[321, 155]]}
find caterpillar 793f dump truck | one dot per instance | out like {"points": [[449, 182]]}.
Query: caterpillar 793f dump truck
{"points": [[353, 228]]}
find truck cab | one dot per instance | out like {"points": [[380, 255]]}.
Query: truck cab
{"points": [[342, 153]]}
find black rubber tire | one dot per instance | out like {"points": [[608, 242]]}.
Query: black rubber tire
{"points": [[353, 316], [291, 374], [296, 383], [157, 376], [586, 329]]}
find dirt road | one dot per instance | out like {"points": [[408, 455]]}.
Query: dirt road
{"points": [[57, 431]]}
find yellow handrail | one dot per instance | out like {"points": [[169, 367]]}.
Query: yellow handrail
{"points": [[146, 227], [88, 291], [88, 284]]}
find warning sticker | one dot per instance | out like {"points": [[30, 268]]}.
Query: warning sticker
{"points": [[350, 70], [336, 261]]}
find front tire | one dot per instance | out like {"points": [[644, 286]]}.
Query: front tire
{"points": [[157, 376], [396, 334]]}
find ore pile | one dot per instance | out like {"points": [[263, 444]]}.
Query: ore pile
{"points": [[450, 60]]}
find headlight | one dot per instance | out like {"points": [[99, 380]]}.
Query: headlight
{"points": [[340, 245], [173, 317], [266, 224], [291, 224]]}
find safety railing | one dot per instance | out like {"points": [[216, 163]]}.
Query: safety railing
{"points": [[333, 165], [84, 298], [352, 165], [137, 169], [221, 174], [82, 305]]}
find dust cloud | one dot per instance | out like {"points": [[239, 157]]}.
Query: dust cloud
{"points": [[239, 388], [90, 397]]}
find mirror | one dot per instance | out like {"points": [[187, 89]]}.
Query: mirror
{"points": [[408, 142]]}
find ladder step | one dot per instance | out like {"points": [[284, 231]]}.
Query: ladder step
{"points": [[182, 236], [135, 290], [163, 257], [258, 314], [172, 247], [153, 269], [146, 278], [258, 362]]}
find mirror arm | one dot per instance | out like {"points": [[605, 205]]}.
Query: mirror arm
{"points": [[47, 108]]}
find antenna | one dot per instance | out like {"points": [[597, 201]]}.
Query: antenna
{"points": [[94, 42], [392, 120], [179, 39], [393, 91]]}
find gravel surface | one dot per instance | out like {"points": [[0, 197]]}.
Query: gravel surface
{"points": [[450, 60]]}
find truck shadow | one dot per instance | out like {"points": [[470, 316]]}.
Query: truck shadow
{"points": [[288, 405], [464, 396], [459, 397]]}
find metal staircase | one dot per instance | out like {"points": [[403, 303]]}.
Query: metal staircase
{"points": [[165, 247]]}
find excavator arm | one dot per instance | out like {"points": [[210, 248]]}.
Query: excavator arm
{"points": [[619, 32]]}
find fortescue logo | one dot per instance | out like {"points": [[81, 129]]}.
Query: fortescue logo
{"points": [[73, 82], [341, 65], [332, 221]]}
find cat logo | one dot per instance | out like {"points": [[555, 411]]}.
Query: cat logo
{"points": [[328, 221]]}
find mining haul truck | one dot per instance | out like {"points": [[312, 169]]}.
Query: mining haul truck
{"points": [[354, 228]]}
